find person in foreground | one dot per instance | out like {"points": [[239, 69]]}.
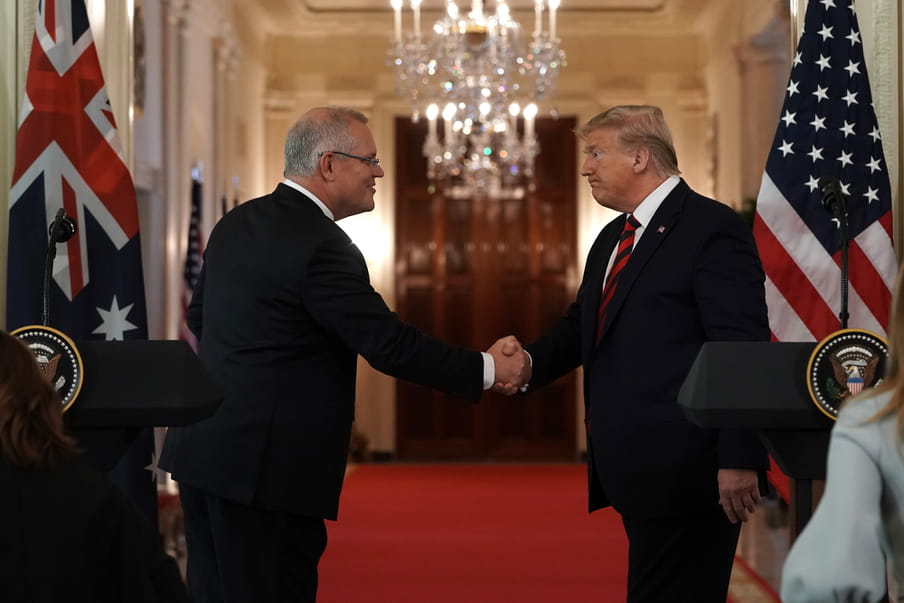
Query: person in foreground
{"points": [[68, 534], [674, 271], [282, 308], [858, 526]]}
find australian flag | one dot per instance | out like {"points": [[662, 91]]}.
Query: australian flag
{"points": [[68, 155]]}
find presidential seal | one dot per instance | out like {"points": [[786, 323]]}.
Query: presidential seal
{"points": [[844, 364], [58, 358]]}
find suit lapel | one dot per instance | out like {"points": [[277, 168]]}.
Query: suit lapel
{"points": [[653, 235], [593, 281]]}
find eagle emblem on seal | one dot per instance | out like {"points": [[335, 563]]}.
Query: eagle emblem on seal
{"points": [[853, 375]]}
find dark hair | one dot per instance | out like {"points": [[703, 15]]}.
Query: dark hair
{"points": [[31, 414]]}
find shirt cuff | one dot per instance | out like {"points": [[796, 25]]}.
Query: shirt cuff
{"points": [[530, 359], [489, 371]]}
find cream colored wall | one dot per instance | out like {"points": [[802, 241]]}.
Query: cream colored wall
{"points": [[10, 28], [747, 65]]}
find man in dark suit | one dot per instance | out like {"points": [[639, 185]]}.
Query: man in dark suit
{"points": [[676, 270], [282, 308]]}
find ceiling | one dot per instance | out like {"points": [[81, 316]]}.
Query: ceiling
{"points": [[348, 17]]}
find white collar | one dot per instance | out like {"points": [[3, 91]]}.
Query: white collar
{"points": [[326, 210]]}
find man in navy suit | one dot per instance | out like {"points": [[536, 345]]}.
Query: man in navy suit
{"points": [[674, 271], [282, 308]]}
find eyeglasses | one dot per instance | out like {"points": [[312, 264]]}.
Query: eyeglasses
{"points": [[373, 161]]}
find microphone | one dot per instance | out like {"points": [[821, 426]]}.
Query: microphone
{"points": [[832, 195], [62, 228]]}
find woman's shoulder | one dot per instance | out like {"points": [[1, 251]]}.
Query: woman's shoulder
{"points": [[862, 409]]}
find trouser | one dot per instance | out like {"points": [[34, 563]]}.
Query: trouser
{"points": [[681, 558], [242, 554]]}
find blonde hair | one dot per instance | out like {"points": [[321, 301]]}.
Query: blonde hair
{"points": [[639, 126], [31, 415], [894, 364]]}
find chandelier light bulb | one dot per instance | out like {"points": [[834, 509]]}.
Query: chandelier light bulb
{"points": [[449, 111]]}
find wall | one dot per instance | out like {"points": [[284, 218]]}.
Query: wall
{"points": [[11, 14]]}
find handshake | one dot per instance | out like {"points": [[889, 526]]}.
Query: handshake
{"points": [[513, 366]]}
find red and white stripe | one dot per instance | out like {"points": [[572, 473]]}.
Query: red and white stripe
{"points": [[803, 282]]}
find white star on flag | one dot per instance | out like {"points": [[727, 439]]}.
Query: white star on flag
{"points": [[115, 321], [152, 467]]}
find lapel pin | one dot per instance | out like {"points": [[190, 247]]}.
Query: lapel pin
{"points": [[661, 229]]}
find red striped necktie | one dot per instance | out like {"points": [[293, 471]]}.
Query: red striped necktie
{"points": [[625, 245]]}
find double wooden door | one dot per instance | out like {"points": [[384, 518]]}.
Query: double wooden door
{"points": [[472, 270]]}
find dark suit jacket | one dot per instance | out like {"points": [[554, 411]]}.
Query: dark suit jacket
{"points": [[283, 307], [68, 534], [694, 276]]}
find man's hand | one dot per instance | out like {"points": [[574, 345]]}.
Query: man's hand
{"points": [[739, 493], [512, 365]]}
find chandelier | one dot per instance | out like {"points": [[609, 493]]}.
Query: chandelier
{"points": [[482, 76]]}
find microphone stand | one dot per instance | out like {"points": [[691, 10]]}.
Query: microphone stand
{"points": [[61, 230], [842, 217], [833, 201]]}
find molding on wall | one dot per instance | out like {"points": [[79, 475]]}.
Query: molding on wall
{"points": [[883, 62]]}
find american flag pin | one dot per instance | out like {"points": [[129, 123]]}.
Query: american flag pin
{"points": [[661, 229]]}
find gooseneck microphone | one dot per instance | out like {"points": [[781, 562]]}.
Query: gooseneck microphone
{"points": [[832, 196], [61, 230], [834, 202]]}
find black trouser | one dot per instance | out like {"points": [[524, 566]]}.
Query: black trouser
{"points": [[683, 558], [241, 554]]}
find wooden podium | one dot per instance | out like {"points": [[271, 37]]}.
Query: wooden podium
{"points": [[762, 386]]}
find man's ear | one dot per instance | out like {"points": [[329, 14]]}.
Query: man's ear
{"points": [[326, 163], [641, 159]]}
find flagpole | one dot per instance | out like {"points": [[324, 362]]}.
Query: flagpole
{"points": [[795, 24]]}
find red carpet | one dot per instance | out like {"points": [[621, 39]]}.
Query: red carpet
{"points": [[471, 533], [478, 534]]}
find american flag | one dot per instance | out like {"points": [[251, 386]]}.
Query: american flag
{"points": [[68, 155], [192, 266], [827, 127]]}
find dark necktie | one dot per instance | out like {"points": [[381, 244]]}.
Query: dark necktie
{"points": [[625, 245]]}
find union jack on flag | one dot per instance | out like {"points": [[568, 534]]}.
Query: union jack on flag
{"points": [[828, 127], [68, 155]]}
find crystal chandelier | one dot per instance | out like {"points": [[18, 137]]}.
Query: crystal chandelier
{"points": [[480, 74]]}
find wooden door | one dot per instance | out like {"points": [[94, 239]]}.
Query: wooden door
{"points": [[472, 270]]}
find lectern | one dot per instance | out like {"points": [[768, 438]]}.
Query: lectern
{"points": [[134, 384], [762, 386]]}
